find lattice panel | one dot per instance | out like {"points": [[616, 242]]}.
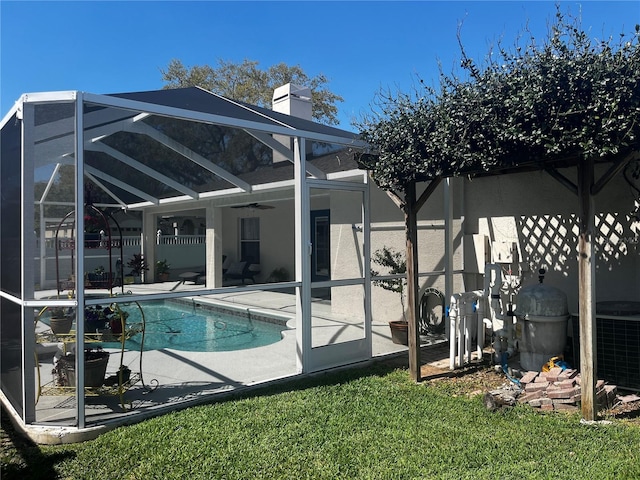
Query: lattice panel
{"points": [[551, 240]]}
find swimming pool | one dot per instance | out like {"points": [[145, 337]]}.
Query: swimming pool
{"points": [[191, 328]]}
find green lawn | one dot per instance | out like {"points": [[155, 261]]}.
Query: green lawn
{"points": [[367, 423]]}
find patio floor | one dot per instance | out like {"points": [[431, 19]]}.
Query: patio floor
{"points": [[186, 378]]}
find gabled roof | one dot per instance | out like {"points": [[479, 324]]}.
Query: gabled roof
{"points": [[147, 148], [200, 100]]}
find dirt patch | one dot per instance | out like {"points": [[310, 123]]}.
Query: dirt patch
{"points": [[465, 381], [629, 411], [477, 380]]}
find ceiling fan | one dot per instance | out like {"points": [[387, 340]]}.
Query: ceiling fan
{"points": [[254, 206]]}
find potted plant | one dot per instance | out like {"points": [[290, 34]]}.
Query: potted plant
{"points": [[99, 277], [162, 270], [110, 319], [95, 367], [61, 320], [394, 263], [138, 265]]}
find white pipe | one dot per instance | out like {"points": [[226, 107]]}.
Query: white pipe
{"points": [[511, 337], [492, 287], [453, 329], [466, 313], [492, 284], [467, 309], [480, 320]]}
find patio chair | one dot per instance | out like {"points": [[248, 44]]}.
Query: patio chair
{"points": [[193, 276], [240, 271], [226, 262]]}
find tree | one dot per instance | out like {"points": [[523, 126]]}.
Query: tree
{"points": [[246, 82], [569, 101], [571, 96]]}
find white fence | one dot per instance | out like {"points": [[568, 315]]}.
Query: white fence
{"points": [[181, 239], [134, 241], [182, 252]]}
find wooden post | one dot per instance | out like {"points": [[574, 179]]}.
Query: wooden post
{"points": [[411, 229], [586, 288]]}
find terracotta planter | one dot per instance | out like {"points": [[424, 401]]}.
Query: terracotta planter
{"points": [[61, 325], [163, 277], [399, 332]]}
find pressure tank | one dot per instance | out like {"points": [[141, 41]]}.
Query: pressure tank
{"points": [[542, 315]]}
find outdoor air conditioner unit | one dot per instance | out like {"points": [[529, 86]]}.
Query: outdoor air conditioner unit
{"points": [[617, 343]]}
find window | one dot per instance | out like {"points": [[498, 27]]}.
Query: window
{"points": [[250, 239]]}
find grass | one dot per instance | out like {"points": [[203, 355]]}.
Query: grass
{"points": [[368, 423]]}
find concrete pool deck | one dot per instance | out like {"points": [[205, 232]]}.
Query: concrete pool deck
{"points": [[187, 378]]}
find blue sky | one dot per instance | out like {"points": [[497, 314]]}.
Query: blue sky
{"points": [[109, 47]]}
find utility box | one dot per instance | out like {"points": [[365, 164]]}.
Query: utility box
{"points": [[477, 253], [504, 252]]}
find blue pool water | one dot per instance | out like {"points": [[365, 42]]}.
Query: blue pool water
{"points": [[188, 328]]}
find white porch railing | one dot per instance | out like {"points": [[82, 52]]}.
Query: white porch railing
{"points": [[180, 239], [134, 241]]}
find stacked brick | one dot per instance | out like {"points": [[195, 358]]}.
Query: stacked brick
{"points": [[559, 389]]}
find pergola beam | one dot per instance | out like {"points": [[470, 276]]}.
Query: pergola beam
{"points": [[587, 293], [572, 187], [411, 226], [427, 193], [613, 171]]}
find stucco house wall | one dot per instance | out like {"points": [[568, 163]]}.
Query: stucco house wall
{"points": [[538, 214], [388, 230], [276, 236]]}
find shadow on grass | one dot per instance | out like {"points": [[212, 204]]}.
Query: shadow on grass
{"points": [[378, 367], [22, 459]]}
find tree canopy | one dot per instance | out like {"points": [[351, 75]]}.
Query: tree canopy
{"points": [[570, 97], [246, 82]]}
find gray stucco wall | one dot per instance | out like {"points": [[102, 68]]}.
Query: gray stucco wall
{"points": [[540, 216]]}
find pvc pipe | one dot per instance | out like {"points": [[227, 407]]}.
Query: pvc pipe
{"points": [[480, 319], [466, 312], [453, 329]]}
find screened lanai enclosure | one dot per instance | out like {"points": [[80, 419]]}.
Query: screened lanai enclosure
{"points": [[161, 246]]}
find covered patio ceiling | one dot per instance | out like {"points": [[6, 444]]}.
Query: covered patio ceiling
{"points": [[173, 146]]}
